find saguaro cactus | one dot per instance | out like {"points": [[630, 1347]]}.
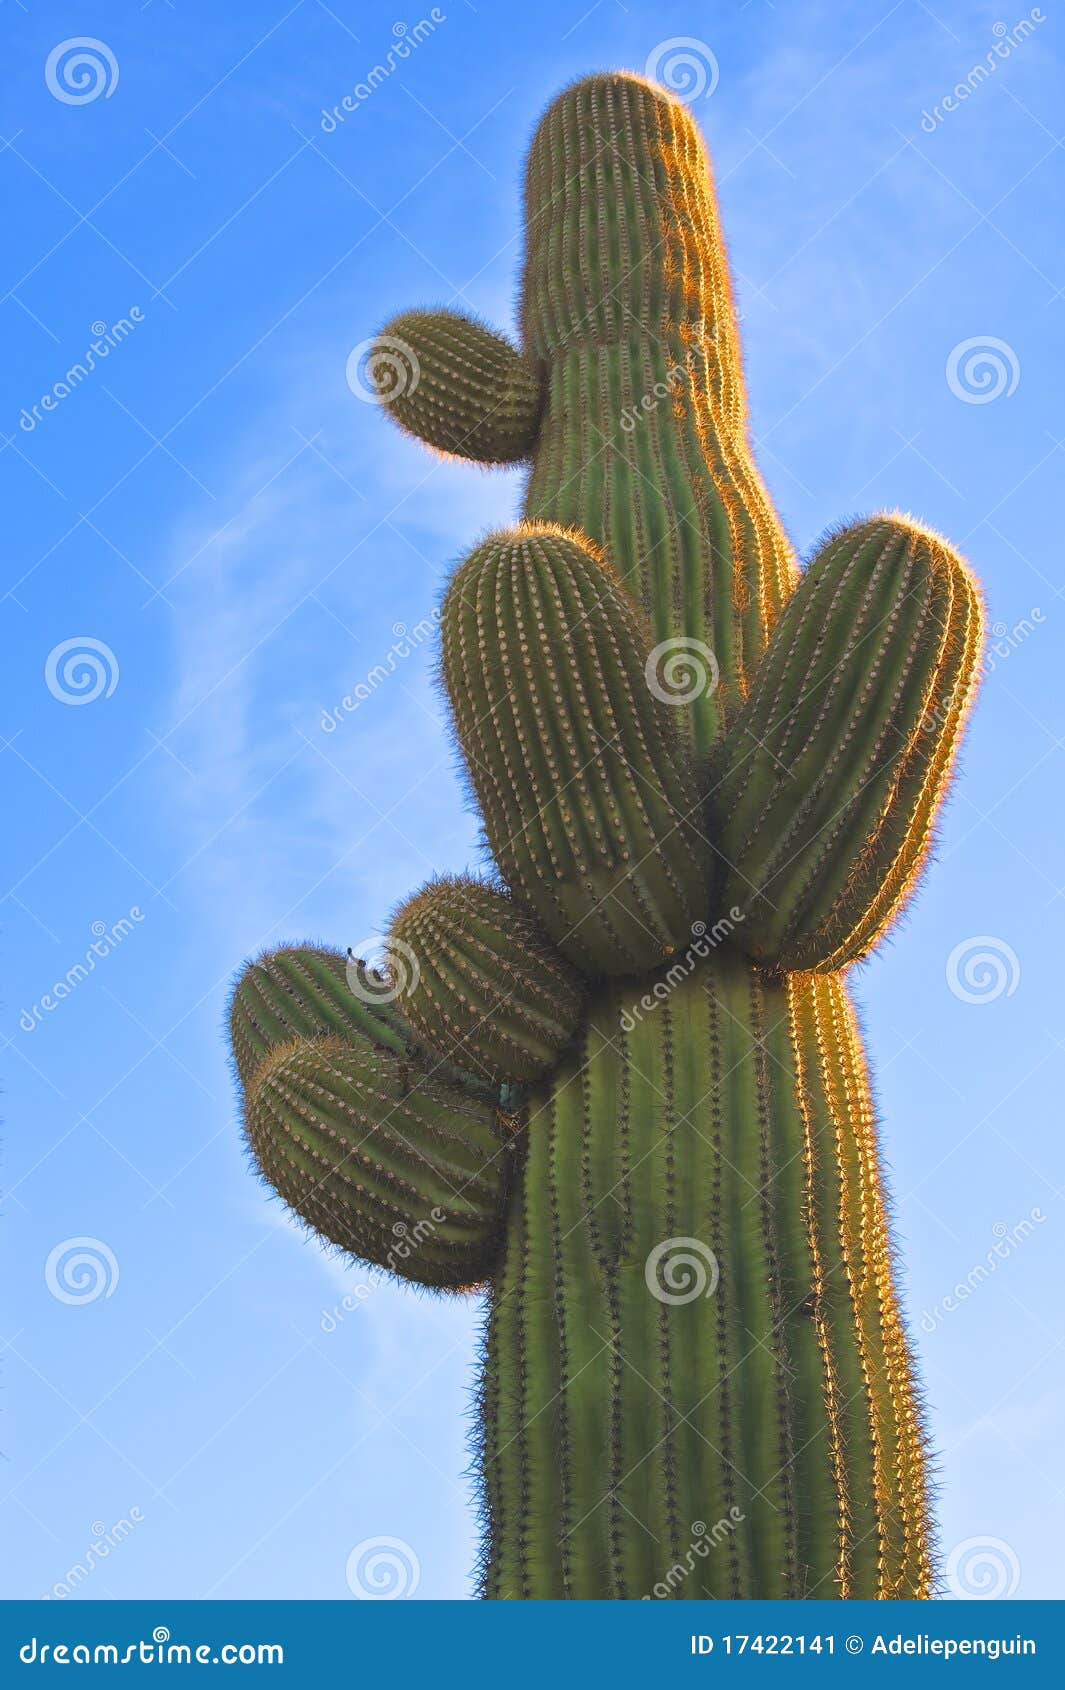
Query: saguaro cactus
{"points": [[624, 1087]]}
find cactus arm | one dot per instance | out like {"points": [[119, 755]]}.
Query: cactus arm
{"points": [[457, 386], [482, 984], [828, 782], [394, 1157], [402, 1171], [304, 992], [580, 776]]}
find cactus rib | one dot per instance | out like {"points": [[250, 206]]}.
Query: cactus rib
{"points": [[460, 388], [832, 772]]}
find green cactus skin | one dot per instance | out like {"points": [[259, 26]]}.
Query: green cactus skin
{"points": [[302, 993], [487, 993], [435, 368], [627, 295], [310, 992], [372, 1142], [367, 1159], [882, 635], [617, 1422], [576, 764], [696, 1380]]}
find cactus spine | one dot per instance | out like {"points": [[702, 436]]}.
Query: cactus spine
{"points": [[629, 1090]]}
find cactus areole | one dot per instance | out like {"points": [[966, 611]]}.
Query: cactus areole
{"points": [[621, 1088]]}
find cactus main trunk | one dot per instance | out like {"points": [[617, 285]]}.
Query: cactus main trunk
{"points": [[643, 441], [648, 1431]]}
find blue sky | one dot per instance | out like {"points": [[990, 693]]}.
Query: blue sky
{"points": [[243, 536]]}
